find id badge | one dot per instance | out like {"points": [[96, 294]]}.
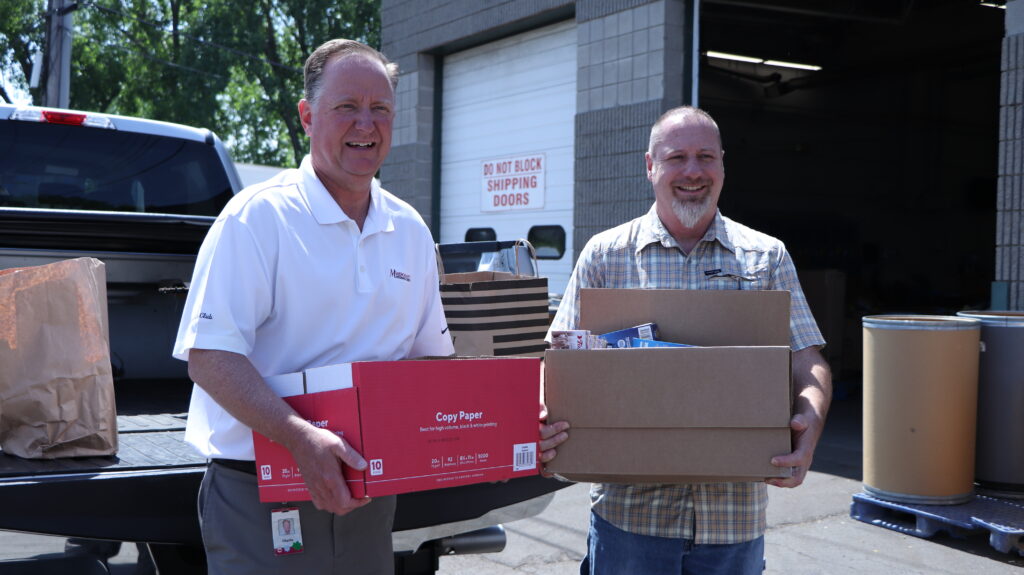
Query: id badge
{"points": [[284, 524]]}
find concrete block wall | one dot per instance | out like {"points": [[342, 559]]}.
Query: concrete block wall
{"points": [[631, 63], [1010, 202]]}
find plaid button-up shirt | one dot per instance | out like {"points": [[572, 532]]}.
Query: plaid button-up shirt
{"points": [[642, 254]]}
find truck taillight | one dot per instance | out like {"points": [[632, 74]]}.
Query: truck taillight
{"points": [[60, 117], [63, 118]]}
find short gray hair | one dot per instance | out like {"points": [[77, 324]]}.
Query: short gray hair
{"points": [[314, 69], [684, 111]]}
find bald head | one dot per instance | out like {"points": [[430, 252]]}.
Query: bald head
{"points": [[682, 115]]}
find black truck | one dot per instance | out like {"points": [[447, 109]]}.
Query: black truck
{"points": [[140, 195]]}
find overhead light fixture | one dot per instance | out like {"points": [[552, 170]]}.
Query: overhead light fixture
{"points": [[734, 57], [994, 5], [798, 66], [753, 60]]}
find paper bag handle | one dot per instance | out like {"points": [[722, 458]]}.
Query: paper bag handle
{"points": [[515, 249], [533, 256], [440, 263]]}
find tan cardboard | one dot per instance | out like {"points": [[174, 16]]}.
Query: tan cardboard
{"points": [[712, 413]]}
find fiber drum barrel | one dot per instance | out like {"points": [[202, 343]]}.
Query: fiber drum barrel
{"points": [[999, 462], [920, 407]]}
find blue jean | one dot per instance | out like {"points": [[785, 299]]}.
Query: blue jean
{"points": [[612, 551]]}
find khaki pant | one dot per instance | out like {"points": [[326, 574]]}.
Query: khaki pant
{"points": [[238, 539]]}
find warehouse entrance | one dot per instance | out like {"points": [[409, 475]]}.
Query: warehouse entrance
{"points": [[878, 170]]}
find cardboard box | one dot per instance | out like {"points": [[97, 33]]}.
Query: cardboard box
{"points": [[420, 424], [718, 412]]}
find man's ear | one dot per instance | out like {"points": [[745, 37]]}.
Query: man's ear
{"points": [[306, 115], [650, 165]]}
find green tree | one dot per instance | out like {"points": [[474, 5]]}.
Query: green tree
{"points": [[22, 34], [283, 33], [234, 66]]}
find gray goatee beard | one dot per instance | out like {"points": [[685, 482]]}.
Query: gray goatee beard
{"points": [[690, 213]]}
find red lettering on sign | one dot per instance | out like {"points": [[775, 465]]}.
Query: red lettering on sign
{"points": [[512, 200], [528, 165]]}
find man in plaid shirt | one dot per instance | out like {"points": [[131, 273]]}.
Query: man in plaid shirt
{"points": [[684, 242]]}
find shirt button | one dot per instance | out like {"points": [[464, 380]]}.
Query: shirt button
{"points": [[362, 268]]}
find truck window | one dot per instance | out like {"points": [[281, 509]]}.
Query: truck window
{"points": [[73, 167], [549, 241]]}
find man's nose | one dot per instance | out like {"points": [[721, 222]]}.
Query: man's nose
{"points": [[692, 167], [364, 120]]}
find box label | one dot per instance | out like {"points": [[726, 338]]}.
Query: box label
{"points": [[524, 456]]}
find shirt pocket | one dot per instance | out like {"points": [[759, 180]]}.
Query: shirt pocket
{"points": [[734, 275]]}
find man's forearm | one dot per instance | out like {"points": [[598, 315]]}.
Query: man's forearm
{"points": [[812, 384], [233, 382]]}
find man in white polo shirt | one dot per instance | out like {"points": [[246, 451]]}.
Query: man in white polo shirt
{"points": [[314, 267]]}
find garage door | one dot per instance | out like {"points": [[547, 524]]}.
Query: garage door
{"points": [[507, 144]]}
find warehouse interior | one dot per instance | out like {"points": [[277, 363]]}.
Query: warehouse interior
{"points": [[879, 169]]}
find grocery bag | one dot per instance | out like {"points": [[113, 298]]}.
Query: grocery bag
{"points": [[497, 313], [56, 385]]}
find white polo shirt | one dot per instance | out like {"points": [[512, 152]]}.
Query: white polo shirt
{"points": [[286, 279]]}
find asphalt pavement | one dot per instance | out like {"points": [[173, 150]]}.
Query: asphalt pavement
{"points": [[809, 529]]}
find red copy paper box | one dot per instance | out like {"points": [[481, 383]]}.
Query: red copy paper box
{"points": [[420, 424]]}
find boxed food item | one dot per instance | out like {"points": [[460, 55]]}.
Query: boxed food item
{"points": [[420, 424], [641, 342], [571, 339], [718, 411], [620, 338]]}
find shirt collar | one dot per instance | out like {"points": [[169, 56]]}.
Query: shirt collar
{"points": [[327, 211], [652, 230]]}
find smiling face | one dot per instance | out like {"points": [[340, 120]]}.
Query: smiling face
{"points": [[349, 122], [685, 166]]}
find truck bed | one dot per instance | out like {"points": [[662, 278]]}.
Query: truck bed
{"points": [[148, 491], [154, 469]]}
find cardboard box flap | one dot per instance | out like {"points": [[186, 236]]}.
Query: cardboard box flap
{"points": [[695, 317], [682, 387]]}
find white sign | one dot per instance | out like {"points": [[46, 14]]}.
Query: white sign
{"points": [[513, 183]]}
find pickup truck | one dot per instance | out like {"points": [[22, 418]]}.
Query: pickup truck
{"points": [[140, 195]]}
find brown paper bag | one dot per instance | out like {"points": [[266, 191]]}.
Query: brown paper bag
{"points": [[56, 386]]}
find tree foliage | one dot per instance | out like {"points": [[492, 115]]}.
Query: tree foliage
{"points": [[22, 33], [234, 66]]}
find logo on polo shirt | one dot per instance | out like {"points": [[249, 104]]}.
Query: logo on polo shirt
{"points": [[205, 315], [400, 275]]}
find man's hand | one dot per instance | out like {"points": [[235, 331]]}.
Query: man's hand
{"points": [[812, 396], [800, 459], [551, 436], [320, 455]]}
